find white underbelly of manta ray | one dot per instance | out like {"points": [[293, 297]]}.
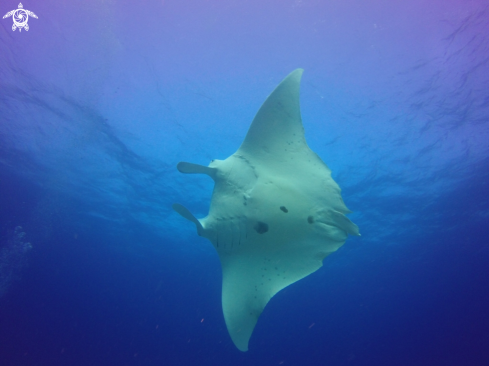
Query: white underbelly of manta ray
{"points": [[275, 212]]}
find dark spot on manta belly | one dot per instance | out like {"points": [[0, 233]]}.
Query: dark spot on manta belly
{"points": [[284, 209], [261, 227], [310, 219]]}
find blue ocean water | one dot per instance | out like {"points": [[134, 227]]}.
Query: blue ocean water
{"points": [[100, 100]]}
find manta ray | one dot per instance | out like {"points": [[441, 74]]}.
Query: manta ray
{"points": [[275, 211]]}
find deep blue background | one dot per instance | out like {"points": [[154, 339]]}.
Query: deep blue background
{"points": [[100, 100]]}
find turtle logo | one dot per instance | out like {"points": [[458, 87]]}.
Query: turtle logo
{"points": [[20, 16]]}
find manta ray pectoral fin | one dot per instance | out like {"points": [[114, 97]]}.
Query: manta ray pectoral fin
{"points": [[189, 168], [277, 127], [184, 212], [252, 279]]}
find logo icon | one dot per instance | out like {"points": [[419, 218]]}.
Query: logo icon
{"points": [[20, 17]]}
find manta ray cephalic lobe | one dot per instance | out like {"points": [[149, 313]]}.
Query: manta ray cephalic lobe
{"points": [[275, 212]]}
